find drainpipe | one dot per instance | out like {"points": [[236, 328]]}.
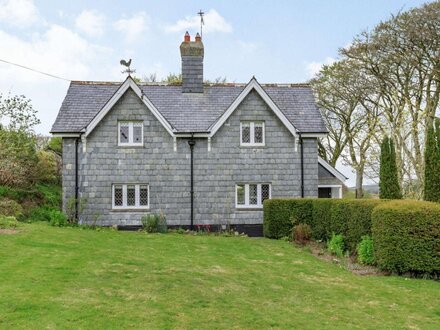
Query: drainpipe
{"points": [[191, 144], [302, 165], [76, 178]]}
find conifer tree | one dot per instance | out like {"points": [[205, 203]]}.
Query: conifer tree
{"points": [[432, 163], [389, 184]]}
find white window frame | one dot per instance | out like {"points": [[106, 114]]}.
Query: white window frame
{"points": [[124, 205], [130, 142], [246, 204], [252, 142]]}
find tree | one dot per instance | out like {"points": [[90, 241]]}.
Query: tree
{"points": [[432, 163], [18, 113], [388, 182]]}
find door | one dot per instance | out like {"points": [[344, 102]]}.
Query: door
{"points": [[324, 192]]}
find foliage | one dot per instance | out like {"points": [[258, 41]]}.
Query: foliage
{"points": [[94, 277], [406, 237], [18, 112], [154, 223], [432, 163], [336, 245], [75, 208], [9, 207], [388, 181], [302, 233], [175, 79], [57, 218], [19, 164], [55, 144], [7, 222], [47, 167], [385, 82], [365, 250], [352, 218]]}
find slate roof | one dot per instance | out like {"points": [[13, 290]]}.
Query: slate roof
{"points": [[187, 112]]}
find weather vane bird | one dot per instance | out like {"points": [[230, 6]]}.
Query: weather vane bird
{"points": [[127, 65], [202, 22]]}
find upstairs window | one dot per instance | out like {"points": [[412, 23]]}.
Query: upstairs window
{"points": [[252, 133], [252, 195], [130, 133], [131, 196]]}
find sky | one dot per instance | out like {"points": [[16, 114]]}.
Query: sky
{"points": [[275, 41]]}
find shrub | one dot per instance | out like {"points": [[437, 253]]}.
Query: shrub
{"points": [[7, 222], [365, 250], [9, 207], [154, 223], [281, 214], [336, 245], [57, 218], [302, 233], [406, 237], [47, 167], [352, 218]]}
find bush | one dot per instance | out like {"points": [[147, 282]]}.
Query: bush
{"points": [[9, 207], [302, 233], [154, 223], [351, 218], [57, 218], [7, 222], [406, 237], [365, 251], [336, 245]]}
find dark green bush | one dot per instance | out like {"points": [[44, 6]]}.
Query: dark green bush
{"points": [[406, 237], [154, 223], [9, 207], [365, 250], [280, 215], [336, 245], [352, 218]]}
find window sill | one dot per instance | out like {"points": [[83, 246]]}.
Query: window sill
{"points": [[256, 208], [140, 210], [130, 146]]}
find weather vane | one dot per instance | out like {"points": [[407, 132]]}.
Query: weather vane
{"points": [[127, 65], [202, 22]]}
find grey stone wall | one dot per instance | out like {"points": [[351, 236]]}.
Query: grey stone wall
{"points": [[326, 178], [168, 172], [68, 170]]}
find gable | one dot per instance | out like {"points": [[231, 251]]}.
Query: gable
{"points": [[128, 84], [253, 85]]}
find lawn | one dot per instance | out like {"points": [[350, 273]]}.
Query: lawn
{"points": [[73, 278]]}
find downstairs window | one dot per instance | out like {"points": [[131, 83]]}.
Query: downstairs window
{"points": [[251, 195], [131, 196]]}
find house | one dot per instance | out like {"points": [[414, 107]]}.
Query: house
{"points": [[200, 153]]}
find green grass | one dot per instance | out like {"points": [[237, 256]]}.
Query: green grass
{"points": [[73, 278]]}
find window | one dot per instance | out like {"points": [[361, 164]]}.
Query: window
{"points": [[252, 133], [131, 133], [131, 196], [252, 195]]}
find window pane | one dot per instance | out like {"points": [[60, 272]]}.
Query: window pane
{"points": [[144, 195], [258, 133], [137, 133], [245, 133], [118, 196], [240, 194], [123, 132], [131, 196], [253, 194], [264, 192]]}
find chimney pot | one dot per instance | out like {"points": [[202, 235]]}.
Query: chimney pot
{"points": [[187, 37], [198, 37]]}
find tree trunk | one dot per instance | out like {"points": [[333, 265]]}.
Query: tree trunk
{"points": [[359, 193]]}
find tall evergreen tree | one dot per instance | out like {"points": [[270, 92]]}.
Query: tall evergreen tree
{"points": [[389, 184], [432, 163]]}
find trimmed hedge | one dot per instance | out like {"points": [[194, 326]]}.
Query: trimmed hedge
{"points": [[351, 218], [406, 237]]}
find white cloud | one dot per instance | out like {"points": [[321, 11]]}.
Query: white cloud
{"points": [[214, 22], [20, 13], [133, 27], [313, 68], [91, 22]]}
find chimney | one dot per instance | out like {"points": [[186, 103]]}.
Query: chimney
{"points": [[192, 64]]}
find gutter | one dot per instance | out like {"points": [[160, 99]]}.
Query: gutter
{"points": [[192, 143], [302, 164]]}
